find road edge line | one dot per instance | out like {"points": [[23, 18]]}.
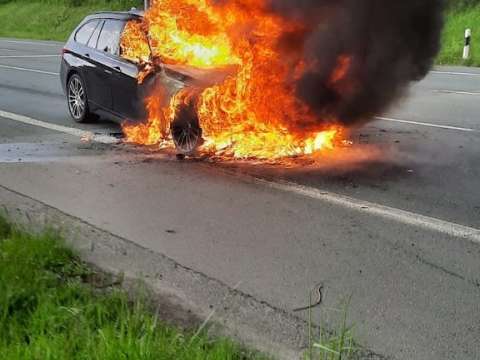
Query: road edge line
{"points": [[89, 135], [32, 42], [365, 207], [411, 122], [27, 57], [28, 70], [461, 73]]}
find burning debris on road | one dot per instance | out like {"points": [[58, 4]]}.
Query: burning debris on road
{"points": [[269, 79]]}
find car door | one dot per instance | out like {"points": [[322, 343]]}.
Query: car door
{"points": [[104, 58], [127, 99], [85, 39], [96, 75]]}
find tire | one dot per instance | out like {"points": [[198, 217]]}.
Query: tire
{"points": [[186, 131], [77, 100]]}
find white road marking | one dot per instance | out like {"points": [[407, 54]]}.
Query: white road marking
{"points": [[446, 127], [386, 212], [26, 56], [29, 70], [105, 139], [30, 43], [454, 73], [456, 92]]}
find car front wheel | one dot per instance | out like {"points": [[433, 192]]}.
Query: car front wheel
{"points": [[77, 99], [186, 131]]}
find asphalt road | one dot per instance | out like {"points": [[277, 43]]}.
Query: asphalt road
{"points": [[391, 221]]}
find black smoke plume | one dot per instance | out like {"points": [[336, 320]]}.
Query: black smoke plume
{"points": [[390, 43]]}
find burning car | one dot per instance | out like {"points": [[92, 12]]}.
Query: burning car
{"points": [[99, 78], [167, 84], [248, 79]]}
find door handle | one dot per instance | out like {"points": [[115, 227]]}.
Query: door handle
{"points": [[87, 55], [117, 68]]}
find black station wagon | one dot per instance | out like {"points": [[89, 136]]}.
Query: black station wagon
{"points": [[97, 81]]}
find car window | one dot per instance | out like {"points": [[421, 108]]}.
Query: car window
{"points": [[109, 40], [92, 43], [83, 34]]}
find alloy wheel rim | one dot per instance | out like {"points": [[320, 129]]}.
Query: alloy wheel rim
{"points": [[76, 98], [186, 138]]}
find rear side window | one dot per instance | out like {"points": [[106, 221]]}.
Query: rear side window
{"points": [[83, 34], [109, 40], [92, 43]]}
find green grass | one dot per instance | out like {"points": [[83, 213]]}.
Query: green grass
{"points": [[457, 20], [48, 310], [51, 20], [337, 345]]}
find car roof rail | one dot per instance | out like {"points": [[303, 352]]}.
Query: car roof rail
{"points": [[133, 11], [107, 12]]}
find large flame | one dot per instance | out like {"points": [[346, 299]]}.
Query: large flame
{"points": [[253, 112]]}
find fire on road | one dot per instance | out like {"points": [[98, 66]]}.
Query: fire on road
{"points": [[290, 91]]}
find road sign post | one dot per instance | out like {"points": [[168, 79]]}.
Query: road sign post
{"points": [[466, 48]]}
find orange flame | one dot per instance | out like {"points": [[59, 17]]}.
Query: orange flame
{"points": [[134, 43], [253, 112]]}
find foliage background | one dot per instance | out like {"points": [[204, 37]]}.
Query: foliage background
{"points": [[460, 15], [51, 19]]}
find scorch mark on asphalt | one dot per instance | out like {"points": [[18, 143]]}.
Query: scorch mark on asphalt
{"points": [[365, 207]]}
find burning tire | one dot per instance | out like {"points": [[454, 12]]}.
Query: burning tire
{"points": [[186, 131], [77, 100]]}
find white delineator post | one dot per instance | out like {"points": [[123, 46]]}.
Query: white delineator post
{"points": [[468, 39], [146, 4]]}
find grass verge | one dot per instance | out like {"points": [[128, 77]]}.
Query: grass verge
{"points": [[50, 310], [457, 20], [50, 19]]}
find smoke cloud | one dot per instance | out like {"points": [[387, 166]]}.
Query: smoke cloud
{"points": [[384, 45]]}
